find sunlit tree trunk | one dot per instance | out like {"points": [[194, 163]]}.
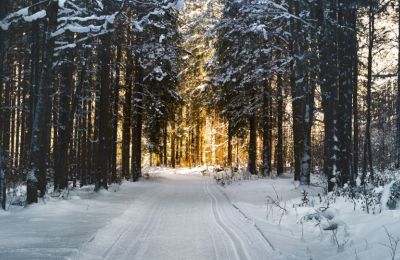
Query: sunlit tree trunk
{"points": [[230, 137]]}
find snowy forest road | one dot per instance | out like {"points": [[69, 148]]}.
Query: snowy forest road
{"points": [[180, 217]]}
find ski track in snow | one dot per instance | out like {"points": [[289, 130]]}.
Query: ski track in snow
{"points": [[183, 217]]}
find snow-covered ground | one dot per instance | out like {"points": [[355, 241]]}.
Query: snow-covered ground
{"points": [[297, 231], [181, 214]]}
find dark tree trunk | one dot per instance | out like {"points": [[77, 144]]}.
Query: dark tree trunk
{"points": [[165, 137], [173, 137], [105, 115], [137, 122], [398, 92], [344, 106], [3, 12], [296, 71], [367, 160], [252, 150], [36, 177], [35, 79], [65, 122], [355, 99], [280, 111], [2, 179], [115, 110], [266, 169], [127, 110], [328, 78]]}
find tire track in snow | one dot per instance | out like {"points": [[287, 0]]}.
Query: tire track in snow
{"points": [[236, 242]]}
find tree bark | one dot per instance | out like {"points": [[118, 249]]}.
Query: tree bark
{"points": [[127, 110], [115, 110], [173, 137], [2, 179], [3, 12], [36, 177], [65, 122], [280, 111], [252, 150], [137, 122], [398, 92], [367, 160], [355, 99], [266, 170], [105, 115]]}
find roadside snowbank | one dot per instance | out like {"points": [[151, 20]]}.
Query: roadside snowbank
{"points": [[311, 226]]}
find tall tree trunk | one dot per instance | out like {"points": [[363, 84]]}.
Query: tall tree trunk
{"points": [[398, 92], [266, 170], [355, 98], [280, 111], [173, 137], [105, 114], [64, 125], [34, 77], [3, 13], [36, 177], [252, 150], [127, 110], [296, 90], [367, 160], [345, 62], [165, 137], [137, 122], [328, 77], [115, 110]]}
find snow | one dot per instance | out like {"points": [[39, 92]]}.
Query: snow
{"points": [[180, 5], [61, 3], [358, 234], [35, 16], [160, 73], [162, 38], [138, 27], [183, 214]]}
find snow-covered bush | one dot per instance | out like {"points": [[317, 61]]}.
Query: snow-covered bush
{"points": [[394, 197], [226, 176], [383, 192]]}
